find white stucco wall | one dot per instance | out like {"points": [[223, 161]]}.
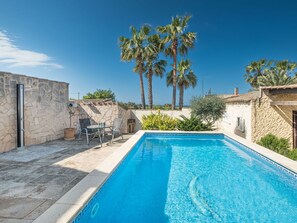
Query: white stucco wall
{"points": [[229, 122], [137, 115]]}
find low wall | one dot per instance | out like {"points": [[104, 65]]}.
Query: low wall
{"points": [[45, 109], [137, 115], [107, 111]]}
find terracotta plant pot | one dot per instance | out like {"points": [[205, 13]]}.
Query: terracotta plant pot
{"points": [[69, 134]]}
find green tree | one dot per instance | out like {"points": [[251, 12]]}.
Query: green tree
{"points": [[185, 78], [100, 94], [136, 48], [177, 41], [209, 108], [154, 66], [271, 73]]}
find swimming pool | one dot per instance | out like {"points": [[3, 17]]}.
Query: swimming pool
{"points": [[194, 178]]}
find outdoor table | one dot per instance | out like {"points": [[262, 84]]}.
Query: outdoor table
{"points": [[100, 129]]}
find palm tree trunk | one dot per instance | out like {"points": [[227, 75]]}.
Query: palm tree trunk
{"points": [[181, 97], [174, 46], [150, 89], [141, 86]]}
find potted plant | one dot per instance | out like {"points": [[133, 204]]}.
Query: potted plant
{"points": [[69, 133]]}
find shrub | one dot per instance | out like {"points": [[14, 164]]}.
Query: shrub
{"points": [[292, 154], [274, 143], [192, 124], [279, 145], [209, 108], [158, 121]]}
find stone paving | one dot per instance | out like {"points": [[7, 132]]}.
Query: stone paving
{"points": [[32, 180]]}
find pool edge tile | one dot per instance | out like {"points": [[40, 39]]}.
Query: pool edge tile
{"points": [[59, 213], [275, 157]]}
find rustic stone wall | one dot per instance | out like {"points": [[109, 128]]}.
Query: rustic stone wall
{"points": [[99, 111], [45, 109], [276, 120]]}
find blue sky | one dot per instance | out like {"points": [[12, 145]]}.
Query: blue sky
{"points": [[77, 41]]}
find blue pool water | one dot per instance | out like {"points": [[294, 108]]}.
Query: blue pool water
{"points": [[194, 178]]}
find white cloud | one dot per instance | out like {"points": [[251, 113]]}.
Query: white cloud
{"points": [[13, 56]]}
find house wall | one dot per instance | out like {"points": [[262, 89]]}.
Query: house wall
{"points": [[45, 109], [137, 115], [276, 120], [229, 121]]}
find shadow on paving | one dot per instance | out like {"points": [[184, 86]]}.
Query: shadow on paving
{"points": [[28, 188]]}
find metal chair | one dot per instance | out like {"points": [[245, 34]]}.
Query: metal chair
{"points": [[84, 123], [116, 128]]}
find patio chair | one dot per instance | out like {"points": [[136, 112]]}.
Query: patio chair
{"points": [[84, 123], [116, 128]]}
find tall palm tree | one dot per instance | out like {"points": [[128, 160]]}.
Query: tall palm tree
{"points": [[186, 78], [154, 66], [177, 42], [137, 48]]}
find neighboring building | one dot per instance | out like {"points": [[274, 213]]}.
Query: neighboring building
{"points": [[256, 114]]}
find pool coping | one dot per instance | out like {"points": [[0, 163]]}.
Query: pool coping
{"points": [[67, 207]]}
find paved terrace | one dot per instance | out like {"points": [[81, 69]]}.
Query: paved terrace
{"points": [[32, 180]]}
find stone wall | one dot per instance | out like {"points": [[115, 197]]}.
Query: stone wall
{"points": [[45, 109], [100, 111], [276, 120], [235, 110]]}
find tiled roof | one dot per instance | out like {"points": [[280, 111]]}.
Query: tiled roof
{"points": [[279, 87], [243, 97]]}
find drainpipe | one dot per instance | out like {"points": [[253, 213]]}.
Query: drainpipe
{"points": [[20, 116]]}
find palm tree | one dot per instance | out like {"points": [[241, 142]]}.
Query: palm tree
{"points": [[254, 70], [154, 66], [186, 78], [177, 41], [276, 77], [137, 48], [271, 73]]}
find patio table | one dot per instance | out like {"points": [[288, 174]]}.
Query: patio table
{"points": [[100, 129]]}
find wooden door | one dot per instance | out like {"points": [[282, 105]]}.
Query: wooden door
{"points": [[295, 129]]}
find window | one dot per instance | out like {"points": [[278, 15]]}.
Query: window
{"points": [[240, 125]]}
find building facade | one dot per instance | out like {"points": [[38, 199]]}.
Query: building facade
{"points": [[256, 114]]}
